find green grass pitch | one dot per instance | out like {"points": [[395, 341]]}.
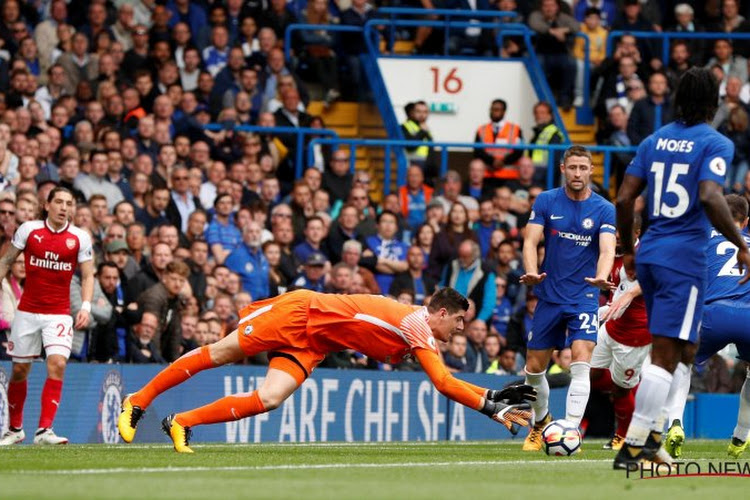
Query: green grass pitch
{"points": [[459, 471]]}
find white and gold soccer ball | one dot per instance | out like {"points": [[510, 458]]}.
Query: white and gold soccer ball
{"points": [[561, 438]]}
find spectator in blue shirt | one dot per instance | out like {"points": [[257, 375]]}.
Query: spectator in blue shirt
{"points": [[250, 263], [607, 8], [503, 308], [455, 358], [313, 273], [215, 55], [486, 225], [222, 235], [154, 212], [390, 252], [476, 356], [187, 12], [509, 265], [315, 231]]}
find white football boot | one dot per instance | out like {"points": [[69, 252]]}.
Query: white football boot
{"points": [[12, 437], [48, 436]]}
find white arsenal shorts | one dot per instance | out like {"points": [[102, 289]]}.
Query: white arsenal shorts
{"points": [[624, 362], [30, 331]]}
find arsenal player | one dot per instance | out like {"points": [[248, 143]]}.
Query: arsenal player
{"points": [[623, 345], [52, 248]]}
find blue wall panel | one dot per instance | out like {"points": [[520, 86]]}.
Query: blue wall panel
{"points": [[333, 405]]}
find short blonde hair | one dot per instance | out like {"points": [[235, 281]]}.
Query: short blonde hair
{"points": [[576, 150]]}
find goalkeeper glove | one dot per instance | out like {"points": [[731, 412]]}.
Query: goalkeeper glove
{"points": [[514, 394], [507, 414]]}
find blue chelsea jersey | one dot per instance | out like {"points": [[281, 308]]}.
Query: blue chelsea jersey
{"points": [[571, 243], [722, 273], [673, 161]]}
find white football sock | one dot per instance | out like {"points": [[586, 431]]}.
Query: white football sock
{"points": [[649, 403], [539, 382], [678, 394], [743, 418], [578, 392]]}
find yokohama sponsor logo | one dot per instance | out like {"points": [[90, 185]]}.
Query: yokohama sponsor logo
{"points": [[50, 264], [583, 240]]}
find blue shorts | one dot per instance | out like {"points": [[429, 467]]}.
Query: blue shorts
{"points": [[674, 301], [558, 325], [724, 322]]}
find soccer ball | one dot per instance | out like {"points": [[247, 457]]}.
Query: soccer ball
{"points": [[561, 438]]}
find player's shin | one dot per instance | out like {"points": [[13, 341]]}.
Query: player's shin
{"points": [[743, 418], [51, 397], [578, 392], [225, 409], [185, 367], [16, 400], [624, 405], [678, 393], [539, 382], [649, 403]]}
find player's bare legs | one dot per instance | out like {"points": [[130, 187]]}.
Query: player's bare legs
{"points": [[226, 350], [20, 372], [580, 384]]}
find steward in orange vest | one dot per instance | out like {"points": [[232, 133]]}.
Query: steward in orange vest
{"points": [[500, 161]]}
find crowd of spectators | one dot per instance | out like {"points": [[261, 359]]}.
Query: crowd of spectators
{"points": [[110, 99]]}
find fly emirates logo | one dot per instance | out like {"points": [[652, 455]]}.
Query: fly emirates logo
{"points": [[51, 261]]}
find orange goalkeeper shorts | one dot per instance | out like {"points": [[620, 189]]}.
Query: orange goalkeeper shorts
{"points": [[279, 326]]}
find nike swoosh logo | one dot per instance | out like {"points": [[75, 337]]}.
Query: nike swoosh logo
{"points": [[556, 217], [55, 402]]}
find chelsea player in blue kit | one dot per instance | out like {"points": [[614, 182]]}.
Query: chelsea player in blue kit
{"points": [[726, 314], [578, 227], [683, 164]]}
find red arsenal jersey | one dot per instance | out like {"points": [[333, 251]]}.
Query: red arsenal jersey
{"points": [[50, 258], [631, 328]]}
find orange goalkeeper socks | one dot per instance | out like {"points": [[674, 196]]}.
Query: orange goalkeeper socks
{"points": [[223, 410], [185, 367]]}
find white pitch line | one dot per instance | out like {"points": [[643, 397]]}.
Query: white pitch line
{"points": [[475, 463], [267, 444], [394, 445]]}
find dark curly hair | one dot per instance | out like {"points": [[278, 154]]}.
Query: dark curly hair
{"points": [[697, 97]]}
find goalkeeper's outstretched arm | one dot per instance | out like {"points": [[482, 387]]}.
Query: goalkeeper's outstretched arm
{"points": [[487, 401]]}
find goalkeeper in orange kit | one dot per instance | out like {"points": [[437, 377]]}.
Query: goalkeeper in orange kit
{"points": [[298, 329]]}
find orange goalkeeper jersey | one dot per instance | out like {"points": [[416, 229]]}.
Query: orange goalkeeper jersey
{"points": [[307, 325], [385, 330], [377, 326]]}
